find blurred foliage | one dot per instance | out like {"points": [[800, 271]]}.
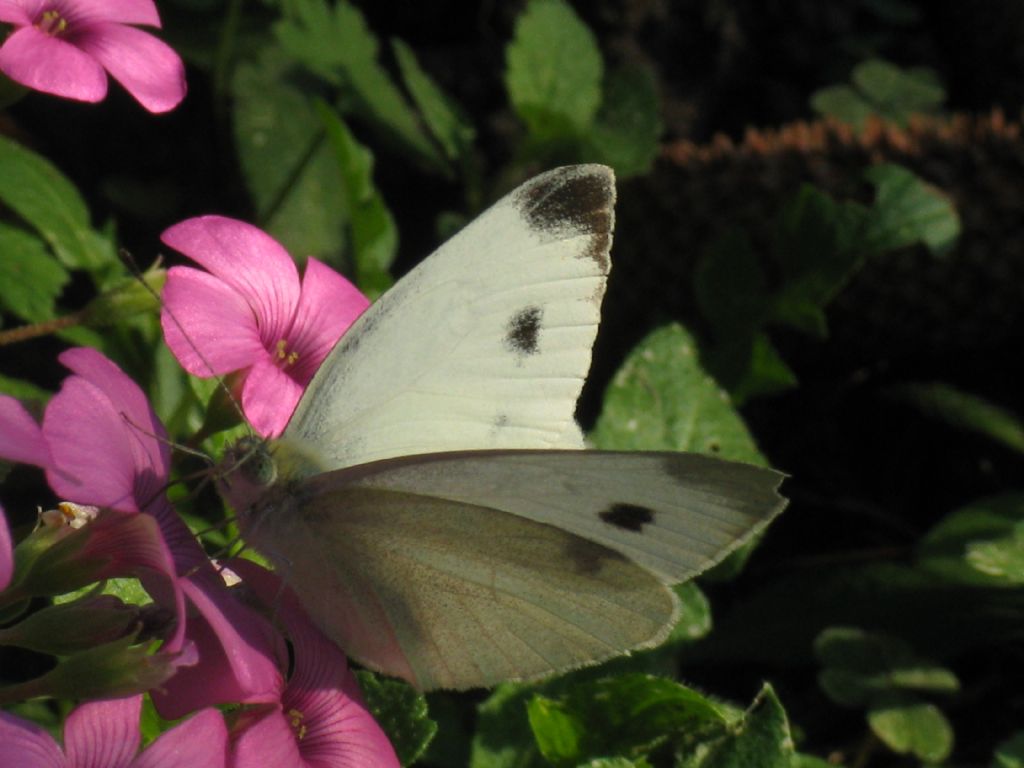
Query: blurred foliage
{"points": [[880, 620]]}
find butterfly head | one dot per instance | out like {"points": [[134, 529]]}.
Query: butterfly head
{"points": [[247, 470]]}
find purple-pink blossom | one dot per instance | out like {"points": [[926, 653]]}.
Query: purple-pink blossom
{"points": [[250, 312], [105, 734], [101, 443], [6, 552], [320, 718], [62, 47]]}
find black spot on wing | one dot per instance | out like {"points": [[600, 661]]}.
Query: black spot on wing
{"points": [[589, 558], [572, 201], [522, 334], [629, 517]]}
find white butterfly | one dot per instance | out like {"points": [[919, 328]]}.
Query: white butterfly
{"points": [[431, 500]]}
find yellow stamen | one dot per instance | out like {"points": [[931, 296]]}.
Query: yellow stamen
{"points": [[52, 23], [295, 718], [284, 356]]}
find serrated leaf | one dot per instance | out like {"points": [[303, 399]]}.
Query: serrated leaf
{"points": [[964, 410], [628, 126], [553, 71], [1010, 753], [661, 399], [449, 126], [336, 43], [31, 279], [289, 167], [908, 210], [372, 232], [34, 189], [908, 725], [625, 715], [401, 711], [762, 738]]}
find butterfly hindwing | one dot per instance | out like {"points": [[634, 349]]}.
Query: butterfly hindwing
{"points": [[485, 345], [453, 595]]}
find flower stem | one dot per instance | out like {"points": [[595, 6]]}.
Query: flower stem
{"points": [[26, 332]]}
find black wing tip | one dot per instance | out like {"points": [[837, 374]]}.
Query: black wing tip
{"points": [[574, 199]]}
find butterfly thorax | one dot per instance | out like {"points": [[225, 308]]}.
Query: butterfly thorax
{"points": [[256, 471]]}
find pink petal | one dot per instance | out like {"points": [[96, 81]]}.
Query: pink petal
{"points": [[207, 324], [108, 446], [123, 11], [199, 742], [268, 398], [6, 552], [21, 439], [328, 305], [26, 744], [238, 654], [52, 65], [339, 729], [103, 734], [20, 14], [268, 741], [94, 460], [148, 68], [250, 261]]}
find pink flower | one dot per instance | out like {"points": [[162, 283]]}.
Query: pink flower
{"points": [[6, 552], [105, 734], [249, 311], [101, 443], [320, 719], [63, 46]]}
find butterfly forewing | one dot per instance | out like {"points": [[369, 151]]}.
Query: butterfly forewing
{"points": [[485, 345]]}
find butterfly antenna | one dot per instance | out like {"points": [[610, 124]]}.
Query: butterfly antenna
{"points": [[129, 261]]}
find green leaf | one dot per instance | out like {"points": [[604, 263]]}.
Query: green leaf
{"points": [[34, 189], [24, 390], [908, 210], [987, 526], [963, 410], [626, 715], [30, 278], [1010, 753], [908, 725], [694, 615], [860, 668], [628, 125], [503, 738], [883, 89], [336, 44], [1002, 558], [817, 246], [898, 93], [401, 711], [761, 738], [661, 399], [557, 729], [553, 71], [844, 103], [289, 166], [372, 232], [447, 123]]}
